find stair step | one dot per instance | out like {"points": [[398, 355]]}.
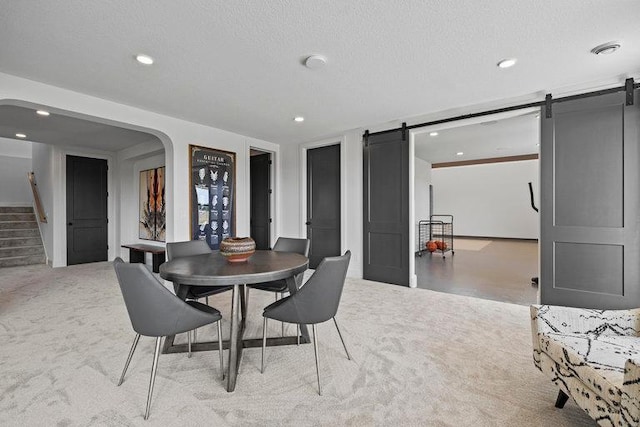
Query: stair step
{"points": [[13, 225], [14, 251], [7, 242], [26, 232], [17, 216], [16, 209], [22, 260]]}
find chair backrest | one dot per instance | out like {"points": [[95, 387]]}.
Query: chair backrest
{"points": [[154, 311], [288, 244], [318, 300], [188, 248]]}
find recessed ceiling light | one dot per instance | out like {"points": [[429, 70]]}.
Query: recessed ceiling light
{"points": [[506, 63], [433, 134], [315, 61], [42, 113], [298, 119], [21, 135], [144, 59], [459, 153], [606, 48]]}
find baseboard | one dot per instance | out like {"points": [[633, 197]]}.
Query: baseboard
{"points": [[513, 239], [354, 273]]}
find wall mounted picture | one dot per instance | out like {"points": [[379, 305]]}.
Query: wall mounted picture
{"points": [[212, 188], [152, 221]]}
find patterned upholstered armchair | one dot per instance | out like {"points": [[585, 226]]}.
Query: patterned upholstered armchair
{"points": [[593, 356]]}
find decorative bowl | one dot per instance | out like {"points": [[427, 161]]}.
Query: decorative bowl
{"points": [[237, 249]]}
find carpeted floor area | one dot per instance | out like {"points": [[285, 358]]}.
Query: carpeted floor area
{"points": [[422, 358]]}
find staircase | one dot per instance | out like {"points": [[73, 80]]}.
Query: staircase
{"points": [[20, 242]]}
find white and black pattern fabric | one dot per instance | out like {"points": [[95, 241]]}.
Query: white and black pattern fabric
{"points": [[592, 356]]}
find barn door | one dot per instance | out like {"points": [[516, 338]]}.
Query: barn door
{"points": [[589, 212], [386, 208]]}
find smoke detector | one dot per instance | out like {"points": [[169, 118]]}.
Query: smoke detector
{"points": [[315, 62], [606, 48]]}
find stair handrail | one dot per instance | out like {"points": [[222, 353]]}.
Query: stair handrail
{"points": [[36, 197]]}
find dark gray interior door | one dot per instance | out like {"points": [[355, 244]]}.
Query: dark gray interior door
{"points": [[386, 208], [589, 212], [323, 203], [86, 210], [260, 172]]}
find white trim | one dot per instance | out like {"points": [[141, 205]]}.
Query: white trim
{"points": [[343, 185], [275, 212], [413, 277], [60, 205]]}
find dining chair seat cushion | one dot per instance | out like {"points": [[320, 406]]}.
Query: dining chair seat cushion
{"points": [[274, 286], [205, 308], [197, 292]]}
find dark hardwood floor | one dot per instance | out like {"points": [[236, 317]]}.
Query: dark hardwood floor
{"points": [[500, 271]]}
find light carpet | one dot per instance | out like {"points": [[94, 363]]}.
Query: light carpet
{"points": [[470, 244], [422, 358]]}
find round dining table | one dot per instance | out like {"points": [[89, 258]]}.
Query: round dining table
{"points": [[215, 270]]}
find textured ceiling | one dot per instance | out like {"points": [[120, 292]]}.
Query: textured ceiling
{"points": [[512, 136], [63, 130], [236, 65]]}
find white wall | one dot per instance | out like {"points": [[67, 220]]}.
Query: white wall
{"points": [[43, 165], [422, 179], [15, 164], [130, 162], [175, 134], [294, 193], [488, 200], [291, 208]]}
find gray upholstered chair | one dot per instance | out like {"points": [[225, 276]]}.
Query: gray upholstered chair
{"points": [[155, 312], [316, 302], [189, 248], [285, 244]]}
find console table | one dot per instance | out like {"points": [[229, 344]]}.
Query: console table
{"points": [[137, 251]]}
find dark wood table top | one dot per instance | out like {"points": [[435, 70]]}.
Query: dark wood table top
{"points": [[145, 248], [214, 270]]}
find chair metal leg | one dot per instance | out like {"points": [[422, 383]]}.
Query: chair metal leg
{"points": [[189, 343], [220, 347], [315, 349], [264, 343], [206, 300], [246, 298], [126, 365], [342, 339], [154, 368], [282, 323], [298, 333], [195, 335]]}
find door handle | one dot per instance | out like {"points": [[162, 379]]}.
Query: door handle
{"points": [[307, 223], [70, 223]]}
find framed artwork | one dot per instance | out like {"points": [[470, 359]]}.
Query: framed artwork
{"points": [[212, 189], [152, 218]]}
